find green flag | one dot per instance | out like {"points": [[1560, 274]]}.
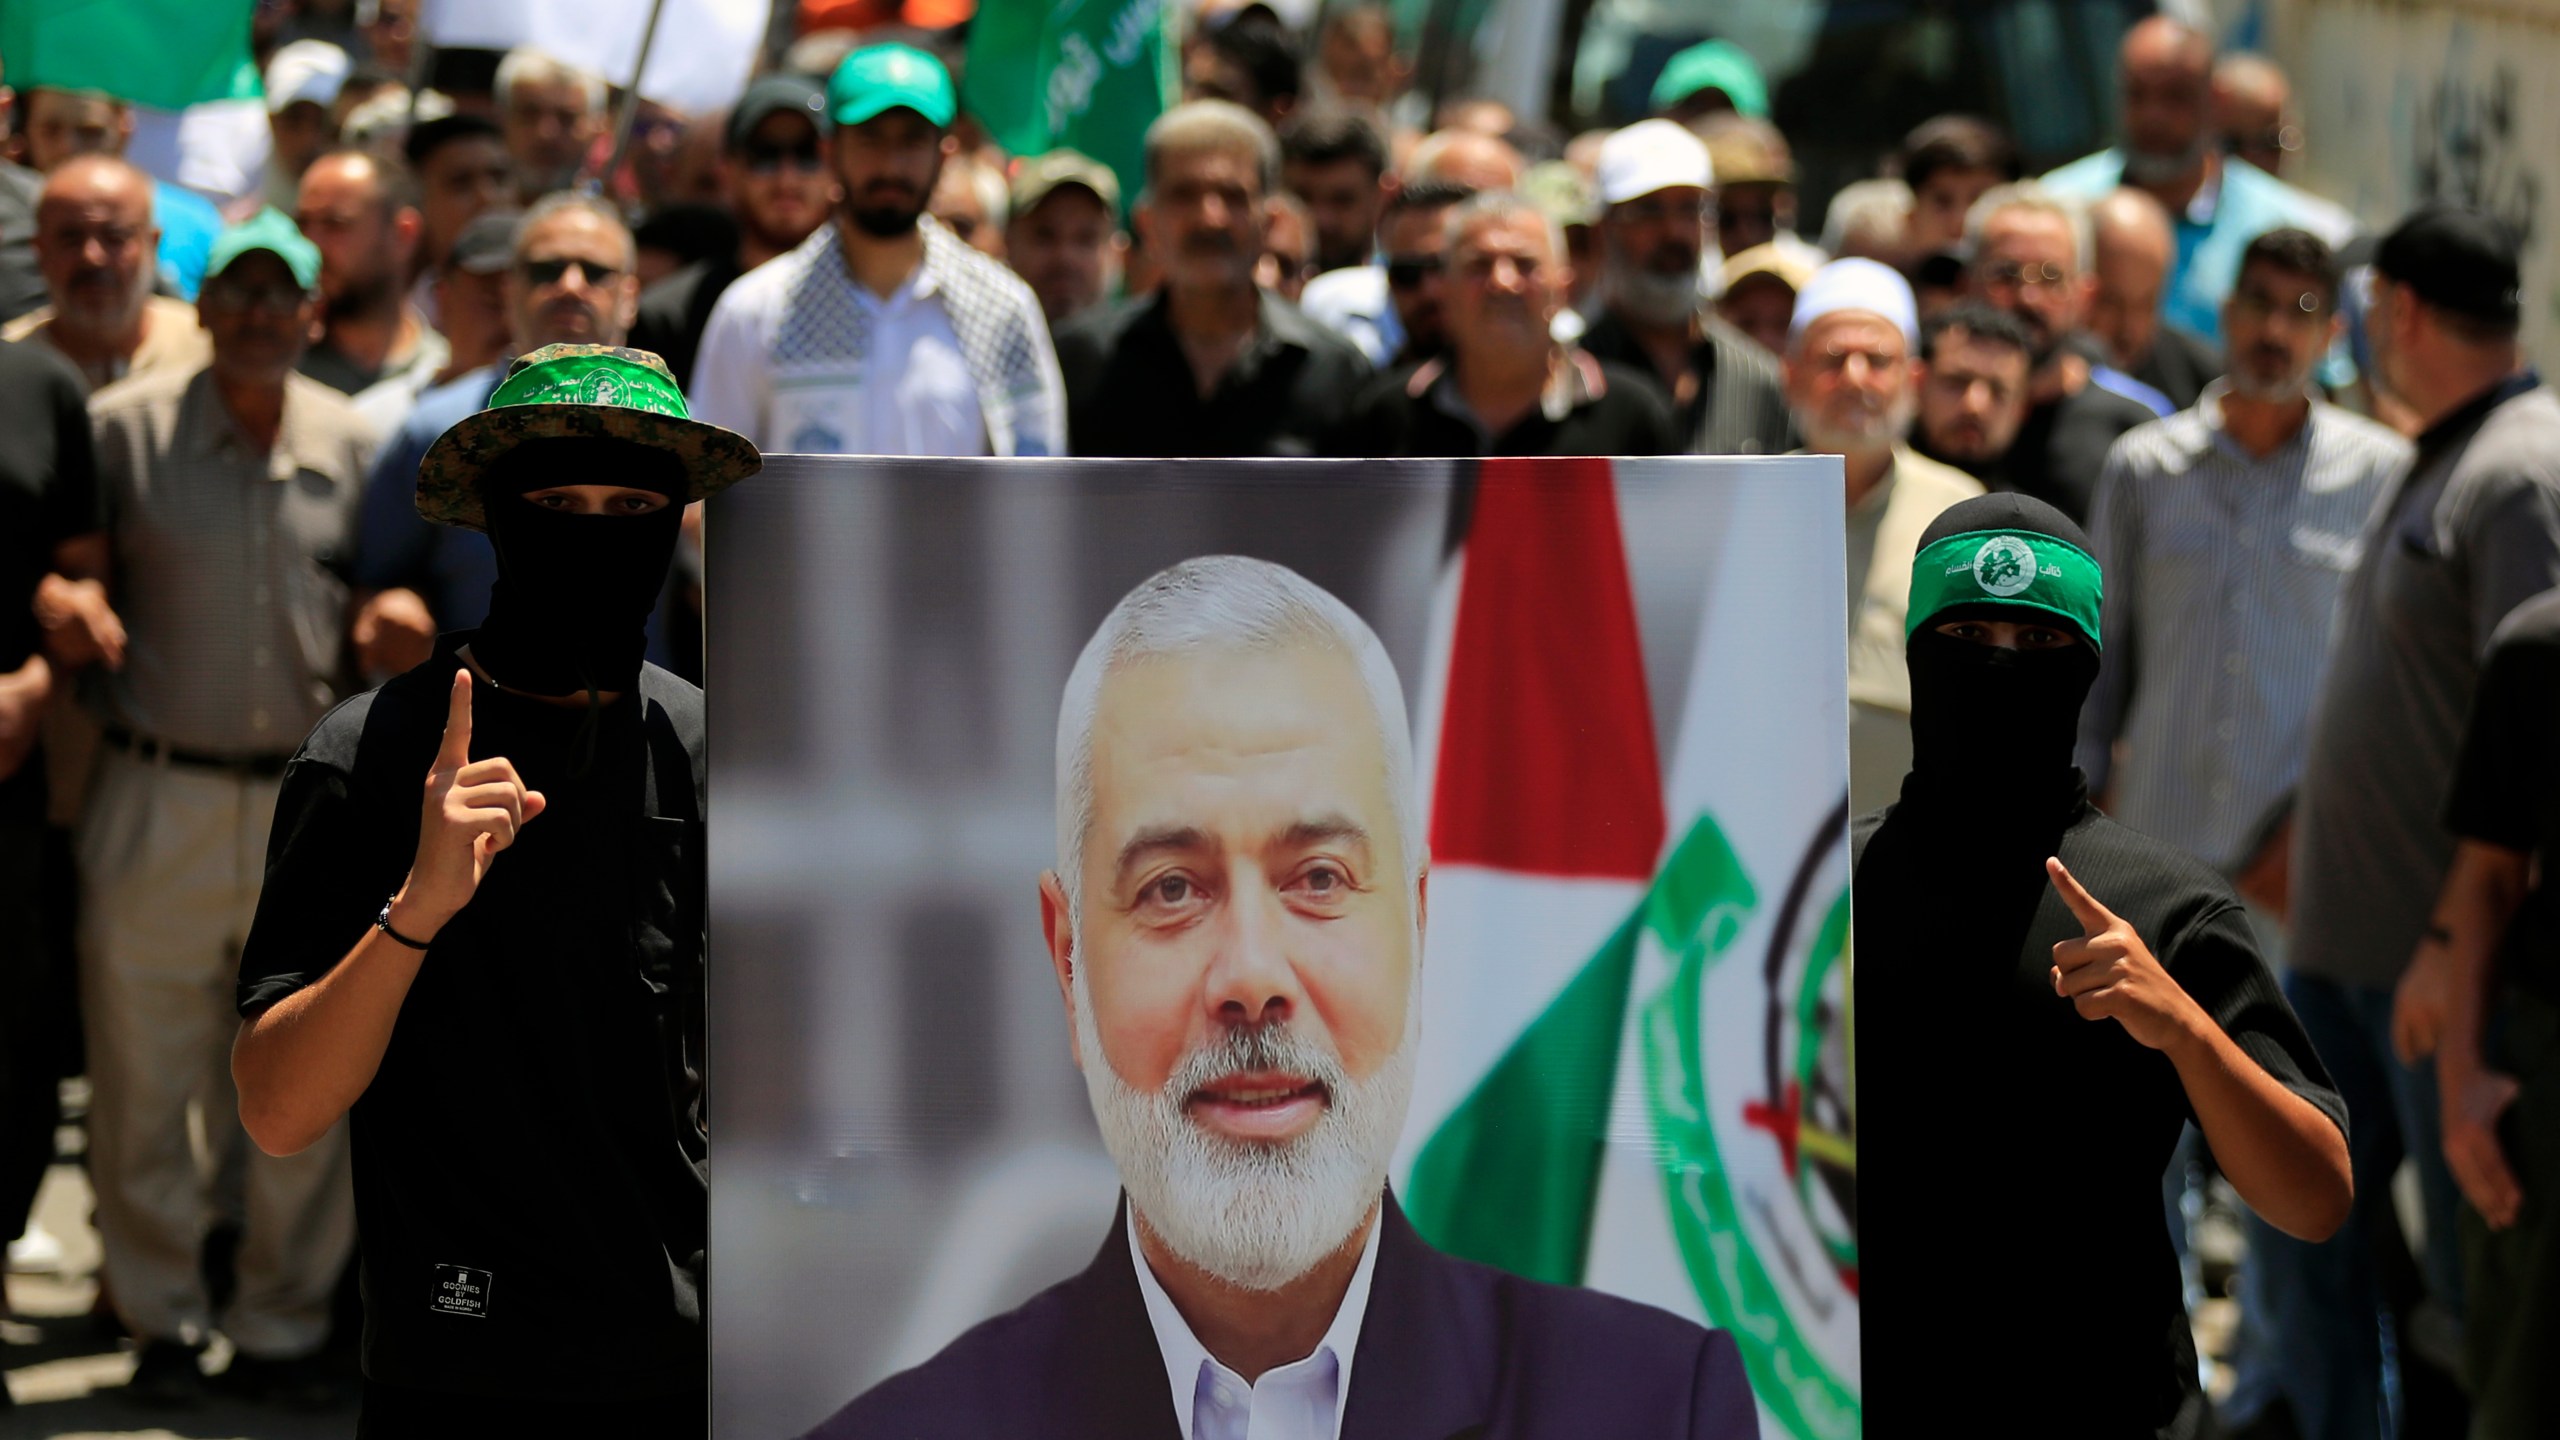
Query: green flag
{"points": [[166, 54], [1087, 74]]}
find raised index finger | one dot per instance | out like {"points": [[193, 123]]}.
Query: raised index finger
{"points": [[456, 750], [2093, 917]]}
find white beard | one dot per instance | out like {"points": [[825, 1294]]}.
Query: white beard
{"points": [[1255, 1215]]}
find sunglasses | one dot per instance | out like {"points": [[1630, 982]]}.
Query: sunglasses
{"points": [[549, 272], [1405, 272], [774, 159]]}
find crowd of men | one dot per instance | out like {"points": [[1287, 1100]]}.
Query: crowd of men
{"points": [[2309, 456]]}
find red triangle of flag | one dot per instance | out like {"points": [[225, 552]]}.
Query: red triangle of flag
{"points": [[1547, 761]]}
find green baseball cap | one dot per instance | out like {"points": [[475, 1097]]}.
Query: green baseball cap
{"points": [[883, 77], [602, 392], [273, 231], [1713, 65]]}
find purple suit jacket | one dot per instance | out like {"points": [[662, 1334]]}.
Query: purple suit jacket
{"points": [[1447, 1349]]}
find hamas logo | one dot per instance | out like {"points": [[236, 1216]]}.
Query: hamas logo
{"points": [[1746, 1055], [2004, 566]]}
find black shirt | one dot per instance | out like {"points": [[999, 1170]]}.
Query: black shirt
{"points": [[2178, 365], [2015, 1149], [1594, 409], [2060, 449], [673, 312], [2506, 786], [48, 494], [529, 1160], [1130, 390], [1740, 407]]}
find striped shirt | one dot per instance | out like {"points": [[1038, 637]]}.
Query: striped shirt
{"points": [[2222, 574], [227, 560]]}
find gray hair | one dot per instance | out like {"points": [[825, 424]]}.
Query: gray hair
{"points": [[1499, 207], [1219, 125], [1866, 218], [561, 200], [524, 64], [2029, 197], [1226, 603]]}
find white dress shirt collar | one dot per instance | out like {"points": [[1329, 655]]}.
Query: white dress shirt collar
{"points": [[1302, 1400]]}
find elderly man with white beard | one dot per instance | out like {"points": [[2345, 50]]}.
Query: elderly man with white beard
{"points": [[1852, 376], [1236, 928]]}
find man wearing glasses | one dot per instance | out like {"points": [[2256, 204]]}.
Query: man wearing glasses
{"points": [[1655, 229], [779, 190], [228, 494], [571, 283], [2031, 255]]}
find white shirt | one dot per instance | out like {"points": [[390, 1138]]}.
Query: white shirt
{"points": [[801, 358], [1302, 1400]]}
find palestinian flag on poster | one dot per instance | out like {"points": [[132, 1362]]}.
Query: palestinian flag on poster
{"points": [[1635, 1074]]}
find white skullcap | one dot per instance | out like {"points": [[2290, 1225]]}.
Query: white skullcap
{"points": [[1864, 285], [310, 70], [1652, 155]]}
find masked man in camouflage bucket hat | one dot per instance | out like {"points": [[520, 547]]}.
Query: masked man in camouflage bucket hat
{"points": [[518, 1036]]}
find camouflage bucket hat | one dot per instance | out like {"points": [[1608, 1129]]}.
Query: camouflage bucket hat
{"points": [[601, 392]]}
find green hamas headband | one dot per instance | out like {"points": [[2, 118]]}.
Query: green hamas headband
{"points": [[2005, 567]]}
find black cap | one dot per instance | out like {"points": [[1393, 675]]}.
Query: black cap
{"points": [[428, 136], [2459, 260], [777, 94]]}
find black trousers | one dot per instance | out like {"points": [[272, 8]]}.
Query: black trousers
{"points": [[39, 1011], [393, 1412]]}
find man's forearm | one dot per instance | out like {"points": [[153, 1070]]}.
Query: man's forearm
{"points": [[302, 1062], [2288, 1160], [2482, 889]]}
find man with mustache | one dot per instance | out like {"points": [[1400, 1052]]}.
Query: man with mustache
{"points": [[1657, 225], [2031, 259], [2225, 532], [1853, 386], [1236, 928], [95, 240], [354, 205], [883, 333], [1210, 364], [571, 282], [1506, 387], [2135, 247], [1973, 395], [2170, 151]]}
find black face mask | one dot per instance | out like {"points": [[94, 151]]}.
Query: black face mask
{"points": [[1992, 722], [570, 611]]}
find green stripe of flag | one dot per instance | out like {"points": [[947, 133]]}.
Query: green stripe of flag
{"points": [[167, 54]]}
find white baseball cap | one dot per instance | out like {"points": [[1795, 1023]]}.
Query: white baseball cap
{"points": [[1862, 285], [305, 70], [1652, 155]]}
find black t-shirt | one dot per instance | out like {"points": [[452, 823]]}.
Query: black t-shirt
{"points": [[529, 1160], [2506, 785], [1620, 414], [1130, 390], [2060, 449], [2014, 1149], [673, 312], [48, 494]]}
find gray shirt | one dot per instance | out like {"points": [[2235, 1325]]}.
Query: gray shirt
{"points": [[2473, 531], [2222, 573], [228, 561]]}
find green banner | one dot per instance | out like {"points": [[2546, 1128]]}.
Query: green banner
{"points": [[1089, 75], [166, 54]]}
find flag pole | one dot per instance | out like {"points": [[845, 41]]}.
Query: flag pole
{"points": [[630, 109]]}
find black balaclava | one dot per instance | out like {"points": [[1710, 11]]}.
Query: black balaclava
{"points": [[1987, 721], [570, 611]]}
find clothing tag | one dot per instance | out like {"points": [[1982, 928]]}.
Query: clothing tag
{"points": [[461, 1290]]}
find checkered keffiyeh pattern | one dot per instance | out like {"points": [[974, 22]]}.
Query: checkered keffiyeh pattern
{"points": [[1003, 338]]}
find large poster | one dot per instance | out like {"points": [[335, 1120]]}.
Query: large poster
{"points": [[1477, 828]]}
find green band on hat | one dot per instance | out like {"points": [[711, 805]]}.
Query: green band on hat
{"points": [[598, 378], [2007, 567]]}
